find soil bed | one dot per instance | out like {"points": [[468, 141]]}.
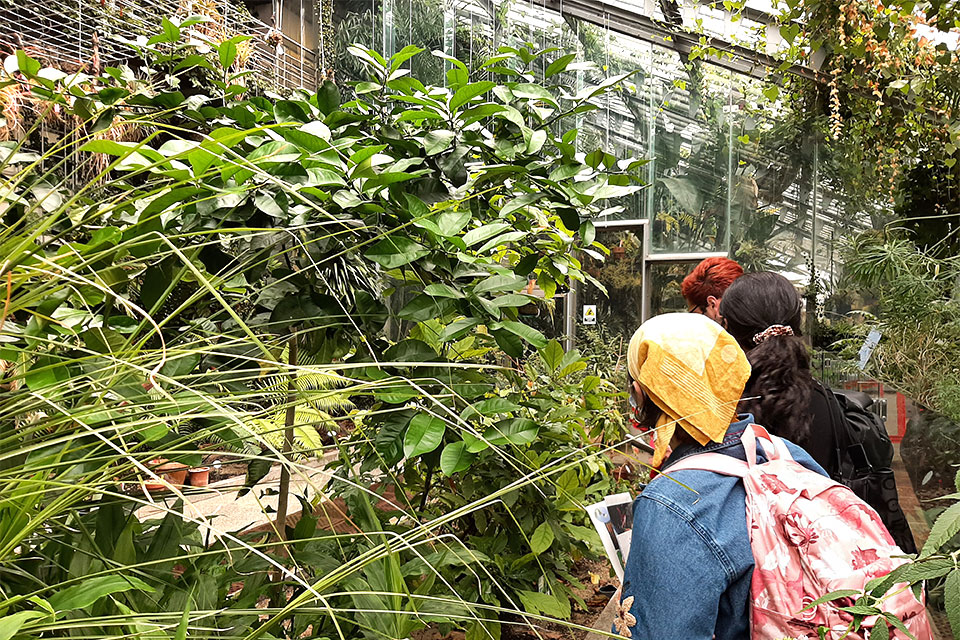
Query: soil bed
{"points": [[596, 596]]}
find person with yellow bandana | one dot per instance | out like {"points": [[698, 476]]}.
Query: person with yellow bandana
{"points": [[688, 572]]}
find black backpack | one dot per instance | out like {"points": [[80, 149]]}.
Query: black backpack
{"points": [[863, 459]]}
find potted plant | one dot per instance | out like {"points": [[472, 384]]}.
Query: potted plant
{"points": [[199, 476], [174, 473]]}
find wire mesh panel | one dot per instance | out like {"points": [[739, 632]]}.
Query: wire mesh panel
{"points": [[90, 33]]}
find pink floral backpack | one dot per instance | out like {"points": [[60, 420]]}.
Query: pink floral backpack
{"points": [[809, 536]]}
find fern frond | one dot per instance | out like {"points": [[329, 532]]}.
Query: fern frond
{"points": [[308, 427]]}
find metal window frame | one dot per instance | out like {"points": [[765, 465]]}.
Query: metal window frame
{"points": [[648, 260], [570, 306]]}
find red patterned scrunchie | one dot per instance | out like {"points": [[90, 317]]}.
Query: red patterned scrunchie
{"points": [[771, 331]]}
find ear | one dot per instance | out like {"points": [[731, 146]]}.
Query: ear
{"points": [[713, 302], [637, 389]]}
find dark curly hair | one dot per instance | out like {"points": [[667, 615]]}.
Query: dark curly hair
{"points": [[780, 383]]}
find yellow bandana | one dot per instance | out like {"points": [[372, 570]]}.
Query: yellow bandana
{"points": [[693, 370]]}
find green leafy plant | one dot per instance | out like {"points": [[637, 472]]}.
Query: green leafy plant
{"points": [[227, 263]]}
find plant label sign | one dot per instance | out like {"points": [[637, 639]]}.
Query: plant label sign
{"points": [[869, 345], [589, 314]]}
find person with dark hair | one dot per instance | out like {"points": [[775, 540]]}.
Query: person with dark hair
{"points": [[762, 311], [703, 288]]}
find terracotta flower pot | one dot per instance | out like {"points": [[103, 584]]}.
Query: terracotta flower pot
{"points": [[618, 252], [173, 472], [199, 476]]}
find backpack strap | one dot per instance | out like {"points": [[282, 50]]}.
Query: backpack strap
{"points": [[838, 424], [715, 462], [773, 449]]}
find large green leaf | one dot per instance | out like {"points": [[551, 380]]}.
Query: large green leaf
{"points": [[512, 300], [492, 407], [468, 92], [396, 251], [552, 354], [81, 596], [410, 351], [438, 141], [531, 91], [517, 203], [501, 282], [951, 596], [227, 52], [536, 603], [441, 290], [46, 372], [133, 154], [559, 65], [419, 115], [426, 307], [290, 111], [542, 538], [526, 332], [456, 458], [516, 431], [170, 33], [487, 231], [945, 527], [511, 343], [458, 329], [10, 624], [451, 222], [685, 192], [424, 434], [328, 97]]}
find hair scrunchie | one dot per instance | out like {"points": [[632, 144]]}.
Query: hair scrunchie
{"points": [[771, 331]]}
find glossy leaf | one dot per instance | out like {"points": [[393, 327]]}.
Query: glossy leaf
{"points": [[456, 458], [84, 594], [542, 538], [516, 431], [468, 92], [393, 252], [423, 435], [438, 141], [528, 333], [559, 65], [500, 282]]}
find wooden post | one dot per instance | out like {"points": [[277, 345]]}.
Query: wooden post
{"points": [[289, 419]]}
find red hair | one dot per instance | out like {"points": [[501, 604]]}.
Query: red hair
{"points": [[710, 278]]}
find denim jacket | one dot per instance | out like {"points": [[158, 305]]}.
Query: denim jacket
{"points": [[689, 568]]}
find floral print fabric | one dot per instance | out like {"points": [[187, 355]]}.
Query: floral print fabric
{"points": [[809, 536]]}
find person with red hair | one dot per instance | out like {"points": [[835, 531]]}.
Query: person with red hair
{"points": [[703, 288]]}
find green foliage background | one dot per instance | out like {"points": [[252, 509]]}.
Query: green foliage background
{"points": [[230, 270]]}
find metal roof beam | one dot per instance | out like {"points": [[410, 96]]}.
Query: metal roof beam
{"points": [[738, 58]]}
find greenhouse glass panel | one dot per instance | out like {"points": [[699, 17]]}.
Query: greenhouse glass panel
{"points": [[730, 170], [665, 280], [772, 184], [692, 144], [619, 310]]}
